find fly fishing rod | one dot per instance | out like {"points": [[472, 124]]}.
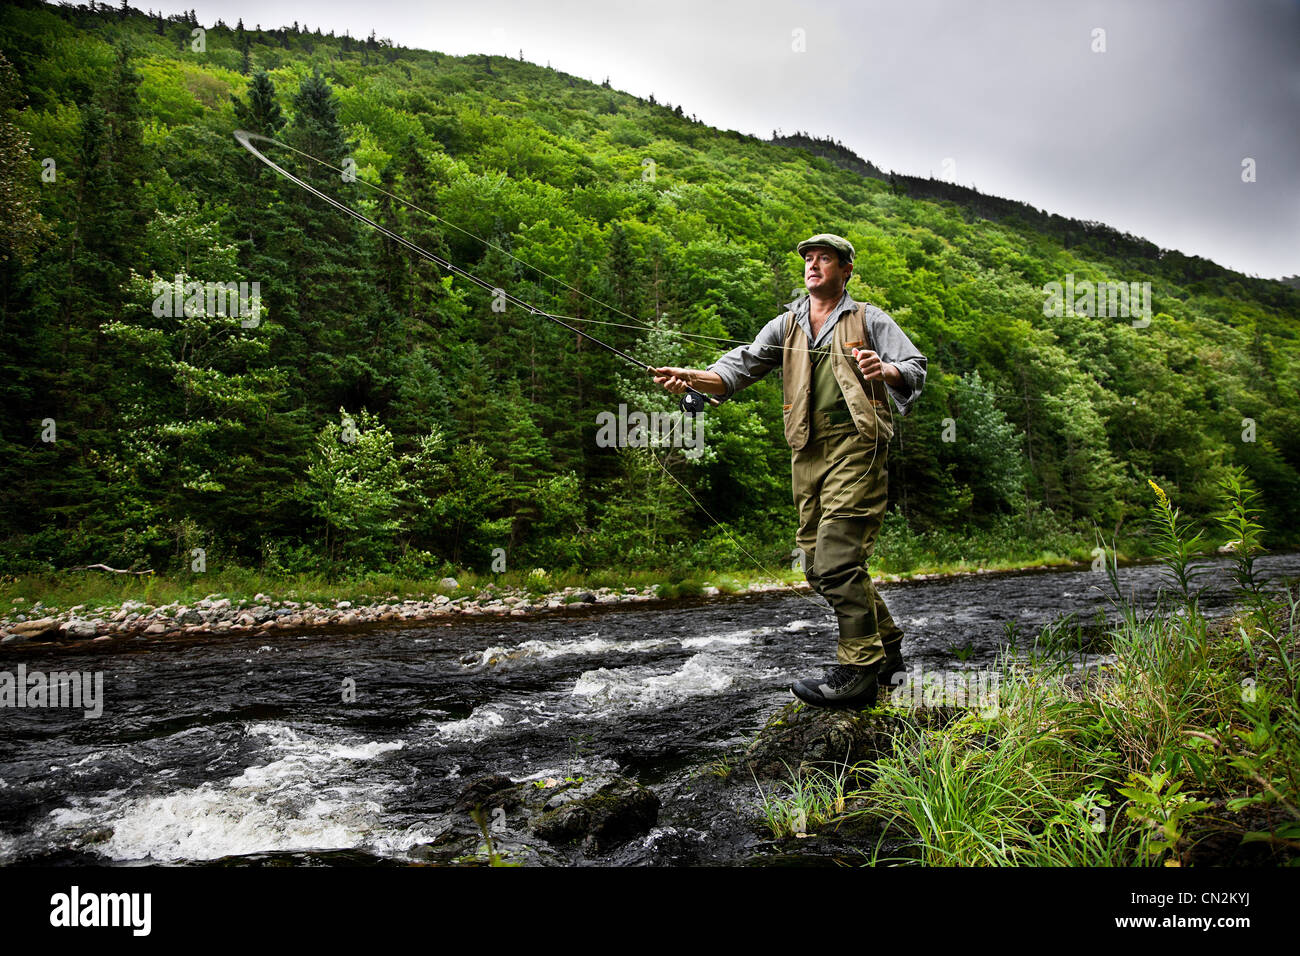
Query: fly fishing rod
{"points": [[692, 401]]}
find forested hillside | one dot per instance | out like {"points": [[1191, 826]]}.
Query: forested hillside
{"points": [[381, 413]]}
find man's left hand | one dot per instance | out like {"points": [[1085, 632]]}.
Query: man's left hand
{"points": [[869, 363]]}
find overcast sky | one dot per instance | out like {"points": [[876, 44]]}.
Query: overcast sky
{"points": [[1013, 97]]}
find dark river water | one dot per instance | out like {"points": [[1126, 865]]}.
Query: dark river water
{"points": [[244, 748]]}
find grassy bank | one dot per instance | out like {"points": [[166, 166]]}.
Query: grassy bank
{"points": [[96, 590], [1183, 750], [730, 564]]}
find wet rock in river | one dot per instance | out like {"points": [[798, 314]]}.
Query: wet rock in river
{"points": [[797, 735], [496, 790], [597, 814], [616, 812]]}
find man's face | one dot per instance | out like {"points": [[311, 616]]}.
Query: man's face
{"points": [[822, 272]]}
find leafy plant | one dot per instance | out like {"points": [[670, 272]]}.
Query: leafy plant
{"points": [[962, 652], [1240, 520], [1177, 546], [1158, 803]]}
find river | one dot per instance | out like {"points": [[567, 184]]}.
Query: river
{"points": [[351, 746]]}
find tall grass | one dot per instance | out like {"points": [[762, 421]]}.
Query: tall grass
{"points": [[1128, 764], [813, 797]]}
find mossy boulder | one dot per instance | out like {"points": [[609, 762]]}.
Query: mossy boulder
{"points": [[602, 819], [798, 735], [596, 814]]}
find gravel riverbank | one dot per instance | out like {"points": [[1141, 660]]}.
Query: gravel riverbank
{"points": [[216, 614]]}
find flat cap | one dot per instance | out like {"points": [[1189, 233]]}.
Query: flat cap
{"points": [[838, 243]]}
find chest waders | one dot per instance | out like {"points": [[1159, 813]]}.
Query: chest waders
{"points": [[838, 426]]}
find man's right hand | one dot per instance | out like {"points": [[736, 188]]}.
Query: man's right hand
{"points": [[676, 380]]}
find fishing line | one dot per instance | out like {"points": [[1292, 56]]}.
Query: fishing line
{"points": [[642, 324], [434, 216], [243, 138], [757, 563], [693, 400]]}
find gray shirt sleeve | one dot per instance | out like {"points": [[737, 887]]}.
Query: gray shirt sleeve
{"points": [[892, 345], [746, 364]]}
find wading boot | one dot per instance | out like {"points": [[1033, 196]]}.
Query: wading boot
{"points": [[892, 667], [842, 686]]}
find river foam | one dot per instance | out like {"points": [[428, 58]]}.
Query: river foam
{"points": [[606, 689], [314, 795], [502, 656]]}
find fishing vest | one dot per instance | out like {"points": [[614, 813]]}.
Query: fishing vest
{"points": [[867, 401]]}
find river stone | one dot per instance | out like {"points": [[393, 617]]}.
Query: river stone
{"points": [[616, 812], [79, 627], [190, 616], [35, 628], [799, 735], [495, 790], [598, 814], [449, 584]]}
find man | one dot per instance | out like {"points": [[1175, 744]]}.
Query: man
{"points": [[839, 360]]}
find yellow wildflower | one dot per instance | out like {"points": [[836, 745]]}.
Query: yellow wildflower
{"points": [[1160, 493]]}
